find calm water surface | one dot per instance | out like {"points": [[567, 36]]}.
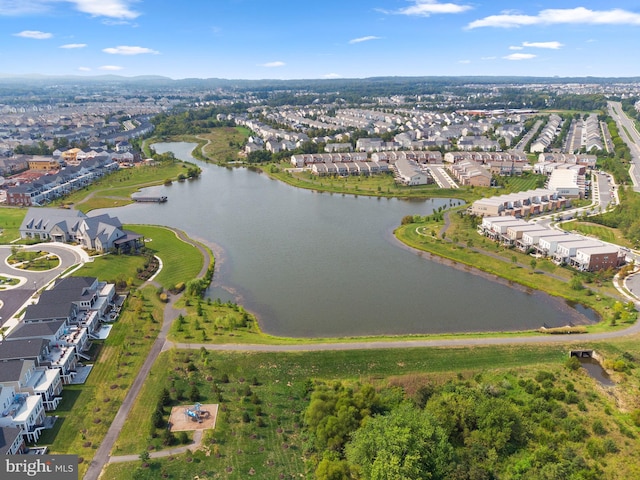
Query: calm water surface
{"points": [[317, 264]]}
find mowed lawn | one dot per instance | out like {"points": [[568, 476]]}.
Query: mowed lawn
{"points": [[181, 261], [117, 188], [607, 234], [111, 268], [10, 221], [523, 183]]}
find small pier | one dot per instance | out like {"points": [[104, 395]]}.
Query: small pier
{"points": [[159, 199]]}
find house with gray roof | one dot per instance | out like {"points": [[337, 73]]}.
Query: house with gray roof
{"points": [[25, 377], [11, 441], [102, 233]]}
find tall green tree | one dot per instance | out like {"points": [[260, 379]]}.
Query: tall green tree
{"points": [[405, 443]]}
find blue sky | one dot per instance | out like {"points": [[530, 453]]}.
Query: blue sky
{"points": [[287, 39]]}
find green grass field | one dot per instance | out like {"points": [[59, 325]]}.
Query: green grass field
{"points": [[10, 220], [280, 381], [601, 232], [111, 268], [116, 189], [523, 183], [224, 143], [181, 262], [375, 185], [33, 260]]}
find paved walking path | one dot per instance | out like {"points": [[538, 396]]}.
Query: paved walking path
{"points": [[102, 456], [197, 442]]}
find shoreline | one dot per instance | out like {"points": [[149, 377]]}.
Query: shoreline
{"points": [[563, 304]]}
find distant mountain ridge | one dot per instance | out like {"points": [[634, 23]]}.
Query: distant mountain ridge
{"points": [[300, 83]]}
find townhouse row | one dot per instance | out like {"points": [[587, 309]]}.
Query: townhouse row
{"points": [[42, 353], [520, 204], [581, 253], [51, 186]]}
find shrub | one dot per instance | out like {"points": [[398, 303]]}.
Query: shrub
{"points": [[572, 363], [598, 427], [543, 375], [164, 297]]}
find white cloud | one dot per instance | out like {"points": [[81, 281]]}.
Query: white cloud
{"points": [[98, 8], [74, 45], [332, 75], [84, 69], [488, 58], [516, 47], [128, 50], [272, 64], [38, 35], [111, 68], [520, 56], [464, 62], [550, 45], [106, 8], [578, 15], [426, 8], [364, 39], [15, 8]]}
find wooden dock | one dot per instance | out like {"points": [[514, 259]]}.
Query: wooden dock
{"points": [[160, 199]]}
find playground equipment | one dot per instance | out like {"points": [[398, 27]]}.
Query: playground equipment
{"points": [[196, 413]]}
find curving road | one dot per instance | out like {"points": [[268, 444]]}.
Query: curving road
{"points": [[13, 299]]}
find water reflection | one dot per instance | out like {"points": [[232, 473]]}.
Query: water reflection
{"points": [[328, 265], [595, 371]]}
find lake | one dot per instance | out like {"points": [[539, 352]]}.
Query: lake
{"points": [[316, 264]]}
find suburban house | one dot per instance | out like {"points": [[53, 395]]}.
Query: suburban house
{"points": [[43, 163], [591, 259], [520, 204], [468, 172], [41, 353]]}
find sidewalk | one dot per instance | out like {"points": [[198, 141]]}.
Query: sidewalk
{"points": [[195, 445]]}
